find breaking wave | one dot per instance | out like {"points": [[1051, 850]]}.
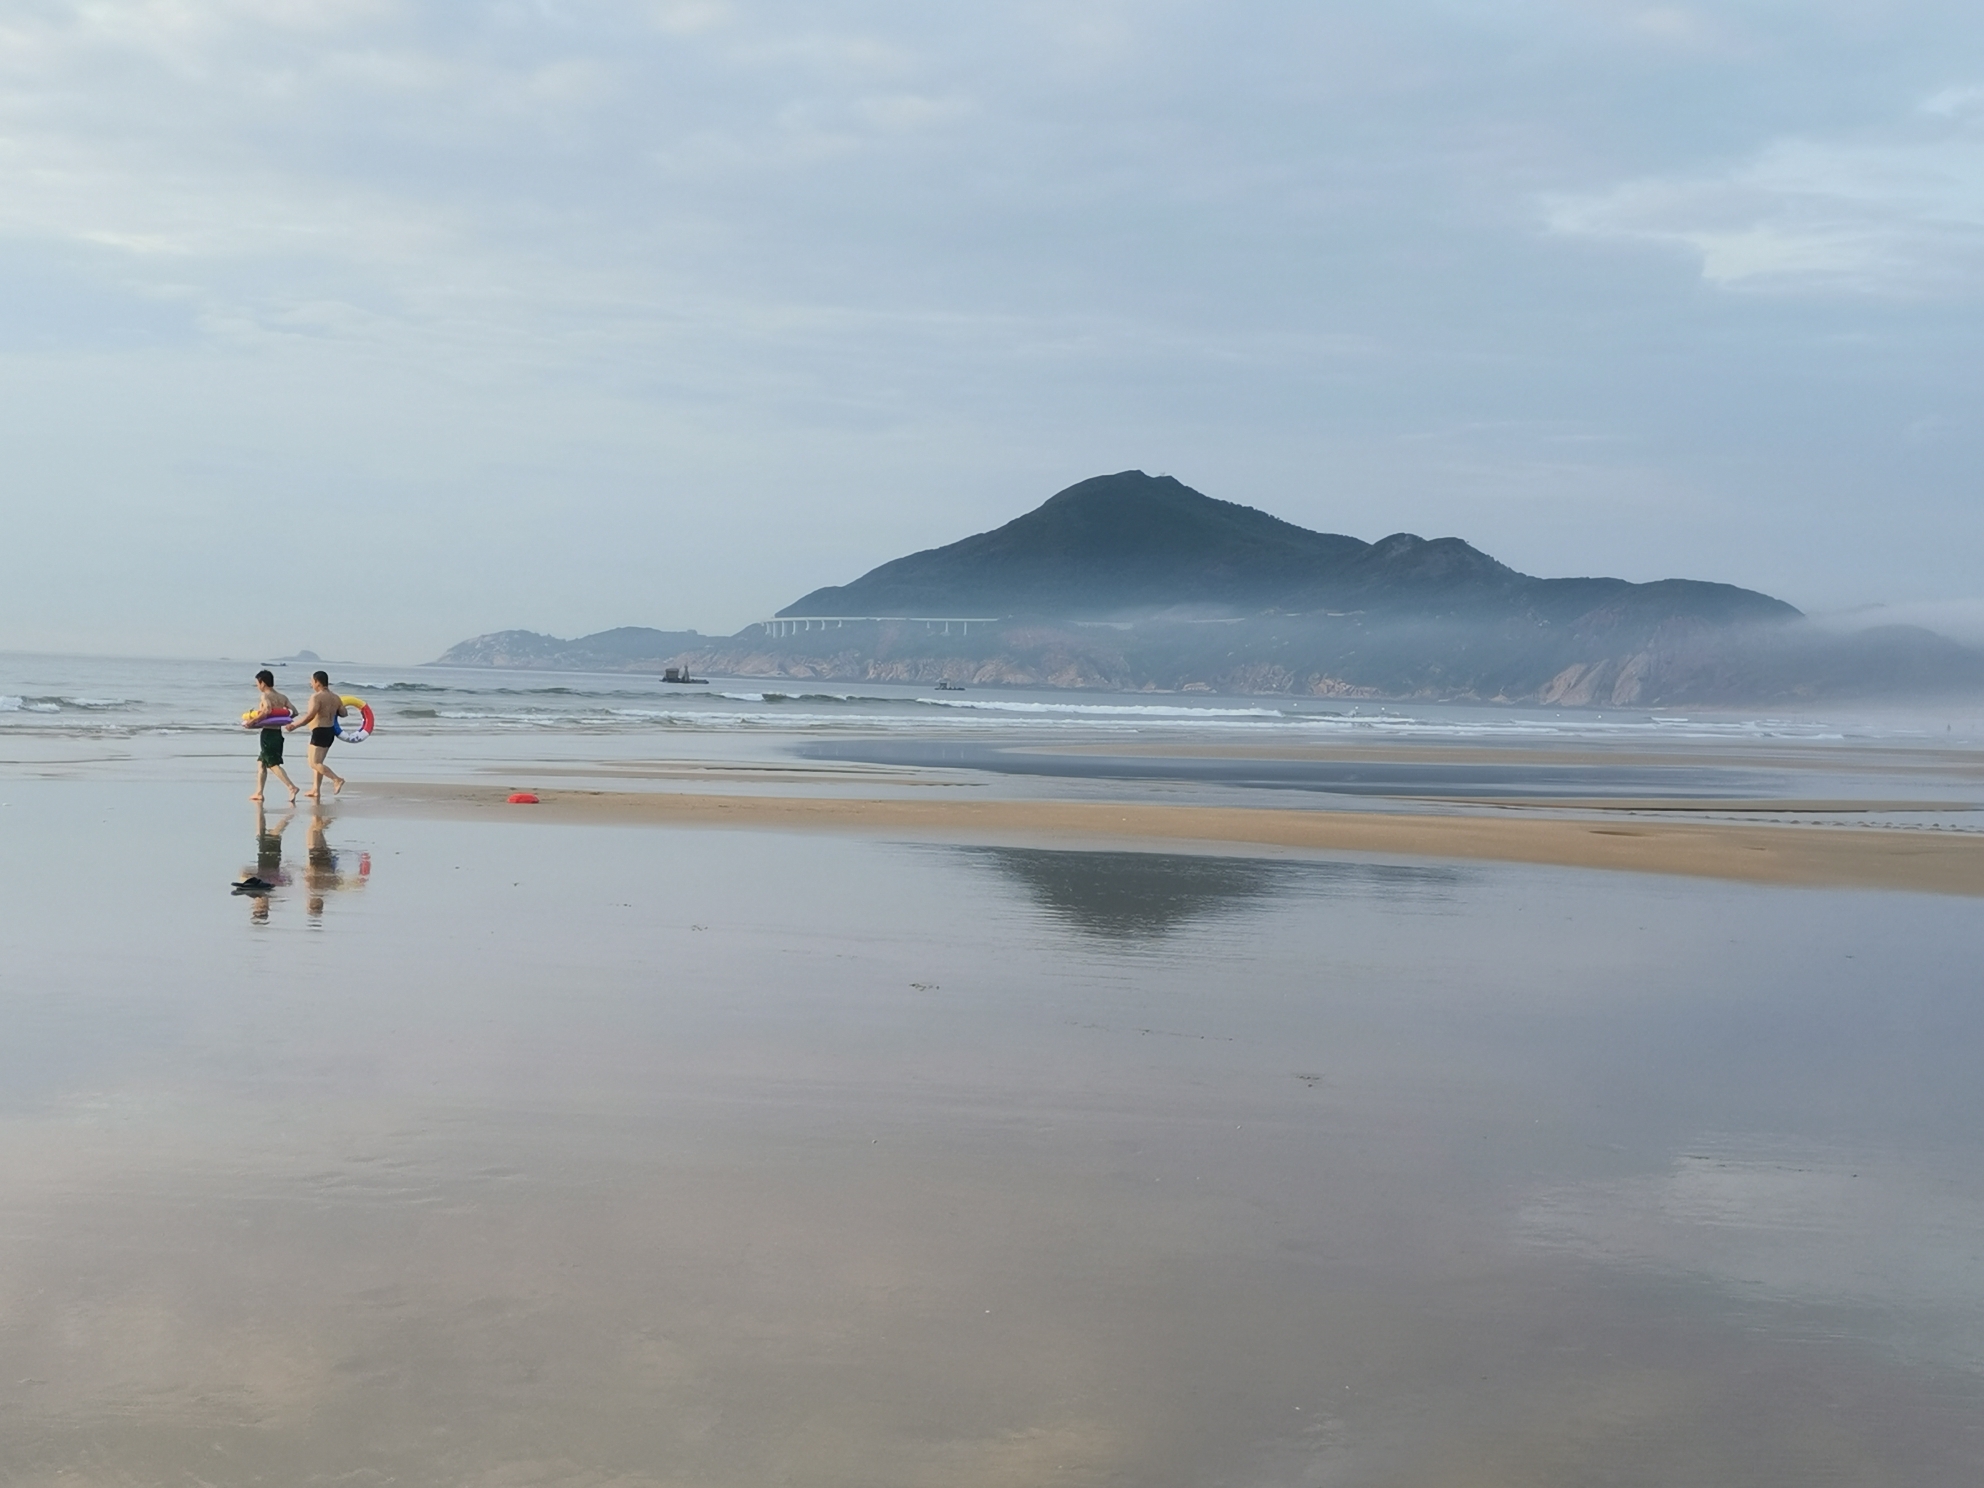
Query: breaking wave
{"points": [[63, 704], [1106, 710]]}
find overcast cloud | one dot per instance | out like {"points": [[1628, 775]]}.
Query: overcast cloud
{"points": [[369, 325]]}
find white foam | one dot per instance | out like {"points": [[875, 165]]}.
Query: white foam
{"points": [[1103, 710]]}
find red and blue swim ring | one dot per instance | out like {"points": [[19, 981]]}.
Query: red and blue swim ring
{"points": [[362, 731]]}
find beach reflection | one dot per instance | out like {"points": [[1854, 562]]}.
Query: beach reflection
{"points": [[325, 870], [260, 883], [1134, 896], [325, 873]]}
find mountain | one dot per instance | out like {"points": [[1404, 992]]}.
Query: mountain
{"points": [[1133, 545], [626, 647], [1138, 582]]}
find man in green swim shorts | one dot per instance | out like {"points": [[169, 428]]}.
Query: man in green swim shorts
{"points": [[269, 761]]}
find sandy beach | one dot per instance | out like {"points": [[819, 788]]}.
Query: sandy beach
{"points": [[1836, 857]]}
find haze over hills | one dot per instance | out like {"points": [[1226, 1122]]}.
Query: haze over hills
{"points": [[1131, 581]]}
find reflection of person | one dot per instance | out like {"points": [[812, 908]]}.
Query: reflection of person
{"points": [[320, 716], [268, 861], [269, 761], [321, 874]]}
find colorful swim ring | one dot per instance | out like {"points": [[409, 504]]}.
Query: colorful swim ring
{"points": [[255, 718], [361, 733]]}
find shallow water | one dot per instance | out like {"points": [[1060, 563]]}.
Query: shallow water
{"points": [[511, 1153], [1347, 776]]}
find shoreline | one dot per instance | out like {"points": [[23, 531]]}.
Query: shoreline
{"points": [[1802, 856], [1883, 757]]}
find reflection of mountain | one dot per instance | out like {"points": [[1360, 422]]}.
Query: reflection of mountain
{"points": [[1141, 896]]}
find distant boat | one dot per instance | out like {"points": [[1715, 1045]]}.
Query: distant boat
{"points": [[680, 676], [949, 687]]}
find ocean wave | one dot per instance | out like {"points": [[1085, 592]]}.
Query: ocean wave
{"points": [[622, 719], [572, 692], [58, 705], [62, 703], [811, 697], [109, 707], [1105, 710], [539, 719], [1573, 727], [523, 692]]}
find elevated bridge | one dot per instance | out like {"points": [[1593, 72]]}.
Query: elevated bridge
{"points": [[785, 625]]}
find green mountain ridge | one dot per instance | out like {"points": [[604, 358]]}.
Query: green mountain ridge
{"points": [[1130, 543]]}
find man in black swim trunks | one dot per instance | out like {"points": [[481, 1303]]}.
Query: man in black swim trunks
{"points": [[269, 761], [320, 716]]}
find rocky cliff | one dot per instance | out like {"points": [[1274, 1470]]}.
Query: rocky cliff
{"points": [[1672, 664]]}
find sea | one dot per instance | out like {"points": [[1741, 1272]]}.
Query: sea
{"points": [[46, 698]]}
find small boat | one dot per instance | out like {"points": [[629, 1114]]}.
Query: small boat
{"points": [[949, 687], [680, 676]]}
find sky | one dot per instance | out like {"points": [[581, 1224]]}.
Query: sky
{"points": [[371, 325]]}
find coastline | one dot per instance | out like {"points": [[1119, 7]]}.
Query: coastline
{"points": [[1805, 856]]}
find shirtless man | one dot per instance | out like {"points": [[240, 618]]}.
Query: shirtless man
{"points": [[320, 716], [269, 762]]}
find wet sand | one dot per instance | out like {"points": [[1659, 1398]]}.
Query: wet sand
{"points": [[505, 1148], [1919, 861], [740, 1119], [1579, 753]]}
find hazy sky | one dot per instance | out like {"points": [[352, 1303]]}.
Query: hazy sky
{"points": [[369, 325]]}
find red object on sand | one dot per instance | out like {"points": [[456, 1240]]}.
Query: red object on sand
{"points": [[523, 798]]}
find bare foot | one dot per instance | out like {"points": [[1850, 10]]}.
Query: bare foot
{"points": [[258, 796], [312, 795], [337, 786], [292, 797]]}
